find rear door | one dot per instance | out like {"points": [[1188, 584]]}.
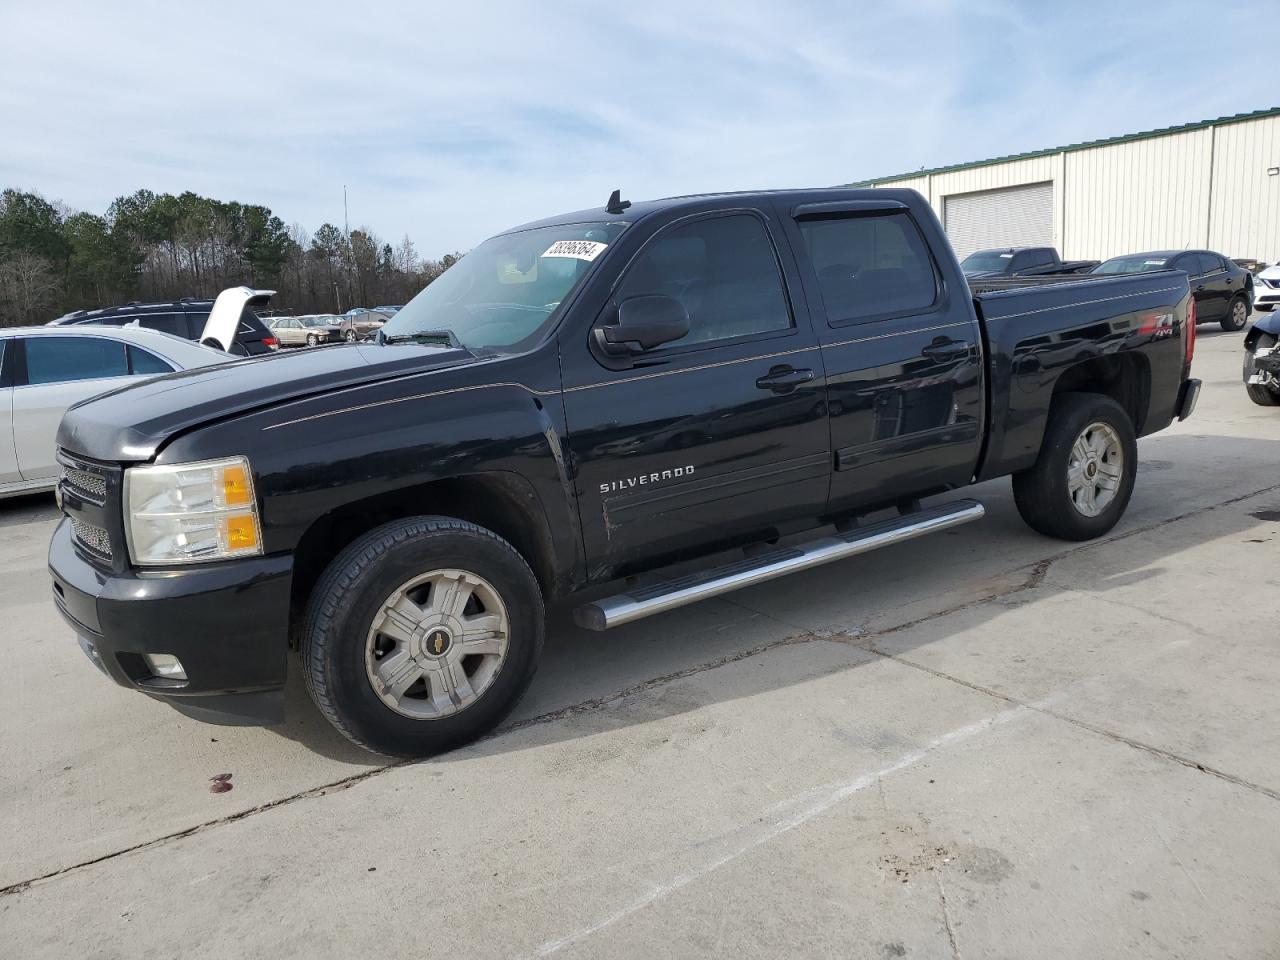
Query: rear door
{"points": [[718, 437], [1209, 284], [53, 373], [902, 352]]}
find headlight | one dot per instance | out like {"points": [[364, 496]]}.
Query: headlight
{"points": [[191, 512]]}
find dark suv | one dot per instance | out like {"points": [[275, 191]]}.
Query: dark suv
{"points": [[183, 318]]}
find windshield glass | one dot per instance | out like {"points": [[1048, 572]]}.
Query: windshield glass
{"points": [[1142, 263], [502, 294], [316, 321], [986, 261]]}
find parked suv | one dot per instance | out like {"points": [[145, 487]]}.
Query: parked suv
{"points": [[183, 318], [1223, 289]]}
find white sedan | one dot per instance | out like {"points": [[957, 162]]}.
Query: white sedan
{"points": [[44, 370], [1266, 289]]}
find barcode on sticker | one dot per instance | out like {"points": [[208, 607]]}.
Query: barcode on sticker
{"points": [[578, 249]]}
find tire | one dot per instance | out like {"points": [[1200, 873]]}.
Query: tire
{"points": [[1260, 394], [350, 336], [1237, 315], [340, 639], [312, 339], [1044, 493]]}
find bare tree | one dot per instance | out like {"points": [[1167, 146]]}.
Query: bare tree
{"points": [[27, 284]]}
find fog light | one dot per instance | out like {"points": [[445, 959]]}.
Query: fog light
{"points": [[165, 665]]}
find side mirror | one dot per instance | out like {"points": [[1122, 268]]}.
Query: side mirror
{"points": [[643, 323]]}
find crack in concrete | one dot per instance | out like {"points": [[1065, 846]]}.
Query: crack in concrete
{"points": [[946, 919], [1039, 570]]}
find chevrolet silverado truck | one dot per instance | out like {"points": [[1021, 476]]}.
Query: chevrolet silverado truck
{"points": [[661, 402]]}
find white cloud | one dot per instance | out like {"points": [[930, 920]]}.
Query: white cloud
{"points": [[451, 122]]}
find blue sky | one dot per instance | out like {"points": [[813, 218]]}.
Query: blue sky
{"points": [[450, 122]]}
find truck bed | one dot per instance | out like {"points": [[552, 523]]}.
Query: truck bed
{"points": [[1034, 330]]}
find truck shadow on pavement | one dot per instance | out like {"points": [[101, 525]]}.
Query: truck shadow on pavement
{"points": [[590, 683]]}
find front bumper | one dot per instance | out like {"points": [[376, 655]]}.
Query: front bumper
{"points": [[227, 622], [1265, 298]]}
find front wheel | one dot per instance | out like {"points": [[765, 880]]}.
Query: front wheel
{"points": [[1082, 480], [350, 336], [1264, 395], [312, 339], [1237, 315], [422, 635]]}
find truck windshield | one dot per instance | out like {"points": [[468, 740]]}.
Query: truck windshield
{"points": [[503, 293], [986, 261], [1142, 263]]}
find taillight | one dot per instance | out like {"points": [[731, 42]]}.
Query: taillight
{"points": [[1191, 329], [271, 342]]}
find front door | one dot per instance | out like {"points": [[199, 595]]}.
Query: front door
{"points": [[717, 438], [903, 354], [8, 456]]}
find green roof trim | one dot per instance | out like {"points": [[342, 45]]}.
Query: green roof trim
{"points": [[1072, 147]]}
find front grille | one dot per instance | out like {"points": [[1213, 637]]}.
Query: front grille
{"points": [[91, 495], [88, 485], [93, 538]]}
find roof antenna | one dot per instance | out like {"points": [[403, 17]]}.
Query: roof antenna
{"points": [[616, 203]]}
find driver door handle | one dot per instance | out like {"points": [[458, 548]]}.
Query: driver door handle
{"points": [[784, 378], [942, 350]]}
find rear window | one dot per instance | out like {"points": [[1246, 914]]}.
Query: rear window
{"points": [[870, 267]]}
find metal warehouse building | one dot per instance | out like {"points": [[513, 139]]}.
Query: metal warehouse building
{"points": [[1213, 185]]}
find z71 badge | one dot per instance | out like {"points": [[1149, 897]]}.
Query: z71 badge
{"points": [[644, 479]]}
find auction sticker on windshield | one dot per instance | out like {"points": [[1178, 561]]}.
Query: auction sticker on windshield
{"points": [[578, 249]]}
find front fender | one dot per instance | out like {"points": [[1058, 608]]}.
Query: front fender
{"points": [[324, 454], [1265, 323]]}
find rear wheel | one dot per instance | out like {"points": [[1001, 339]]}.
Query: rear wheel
{"points": [[1081, 482], [1237, 315], [350, 336], [422, 635], [1260, 393]]}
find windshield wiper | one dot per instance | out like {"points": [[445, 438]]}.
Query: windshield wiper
{"points": [[447, 337]]}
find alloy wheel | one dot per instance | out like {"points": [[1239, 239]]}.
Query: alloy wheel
{"points": [[1095, 469], [437, 644]]}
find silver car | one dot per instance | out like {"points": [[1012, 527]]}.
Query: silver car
{"points": [[307, 331], [44, 370]]}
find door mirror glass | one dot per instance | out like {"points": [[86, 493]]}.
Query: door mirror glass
{"points": [[644, 323]]}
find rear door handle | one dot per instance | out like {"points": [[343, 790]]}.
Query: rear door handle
{"points": [[784, 379], [942, 350]]}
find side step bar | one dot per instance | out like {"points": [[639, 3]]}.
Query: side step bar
{"points": [[664, 595]]}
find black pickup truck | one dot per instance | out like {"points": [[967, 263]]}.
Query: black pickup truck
{"points": [[1020, 262], [584, 400]]}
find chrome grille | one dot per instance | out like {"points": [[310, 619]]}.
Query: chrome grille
{"points": [[86, 484], [92, 538]]}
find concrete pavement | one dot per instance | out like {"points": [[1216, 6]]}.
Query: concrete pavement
{"points": [[981, 744]]}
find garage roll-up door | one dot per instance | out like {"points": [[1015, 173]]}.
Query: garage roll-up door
{"points": [[1011, 217]]}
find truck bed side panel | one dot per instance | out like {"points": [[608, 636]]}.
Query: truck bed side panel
{"points": [[1036, 335]]}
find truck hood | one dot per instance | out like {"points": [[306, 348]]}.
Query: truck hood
{"points": [[133, 422]]}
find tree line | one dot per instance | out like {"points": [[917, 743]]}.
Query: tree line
{"points": [[150, 246]]}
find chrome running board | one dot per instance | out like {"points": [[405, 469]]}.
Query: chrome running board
{"points": [[663, 595]]}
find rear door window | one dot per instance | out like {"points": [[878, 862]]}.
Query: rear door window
{"points": [[174, 323], [870, 266], [65, 359]]}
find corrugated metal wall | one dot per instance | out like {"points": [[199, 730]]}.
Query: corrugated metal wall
{"points": [[1206, 187], [1009, 216]]}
